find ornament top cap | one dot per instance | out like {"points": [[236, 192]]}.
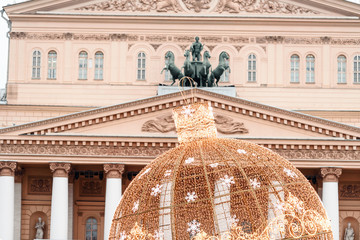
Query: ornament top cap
{"points": [[194, 121]]}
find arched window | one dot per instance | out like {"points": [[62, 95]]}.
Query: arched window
{"points": [[91, 229], [52, 59], [141, 64], [36, 61], [310, 68], [168, 76], [341, 69], [294, 68], [252, 68], [99, 66], [83, 64], [357, 69]]}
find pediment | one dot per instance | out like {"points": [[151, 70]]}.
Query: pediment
{"points": [[151, 117], [290, 8]]}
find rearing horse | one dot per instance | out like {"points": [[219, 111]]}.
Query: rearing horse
{"points": [[204, 71], [170, 65], [219, 70], [189, 70]]}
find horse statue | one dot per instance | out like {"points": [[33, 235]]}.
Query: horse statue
{"points": [[219, 70], [189, 70], [204, 71], [170, 65]]}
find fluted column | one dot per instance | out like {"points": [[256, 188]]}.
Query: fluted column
{"points": [[113, 193], [59, 201], [7, 183], [330, 196]]}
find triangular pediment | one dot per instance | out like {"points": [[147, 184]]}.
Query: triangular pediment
{"points": [[290, 8], [151, 117]]}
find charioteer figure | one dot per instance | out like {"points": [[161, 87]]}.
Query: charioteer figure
{"points": [[196, 48]]}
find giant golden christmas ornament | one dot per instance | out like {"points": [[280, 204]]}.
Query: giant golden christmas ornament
{"points": [[212, 188]]}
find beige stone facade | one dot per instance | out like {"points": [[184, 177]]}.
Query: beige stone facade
{"points": [[104, 122]]}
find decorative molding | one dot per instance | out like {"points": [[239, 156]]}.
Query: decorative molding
{"points": [[164, 124], [113, 170], [60, 169], [219, 6], [39, 185], [227, 125], [232, 106], [91, 187], [330, 174], [155, 46], [318, 154], [349, 191], [186, 39], [7, 168], [269, 6]]}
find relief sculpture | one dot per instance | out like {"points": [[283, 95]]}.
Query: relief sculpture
{"points": [[229, 6], [224, 125], [350, 191]]}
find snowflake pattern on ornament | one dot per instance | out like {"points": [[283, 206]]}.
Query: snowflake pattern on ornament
{"points": [[136, 206], [122, 235], [254, 183], [194, 226], [189, 160], [187, 111], [156, 190], [226, 180], [145, 172], [241, 151], [191, 197], [167, 173], [214, 165], [158, 235], [233, 221], [290, 173]]}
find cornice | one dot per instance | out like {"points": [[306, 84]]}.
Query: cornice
{"points": [[169, 101]]}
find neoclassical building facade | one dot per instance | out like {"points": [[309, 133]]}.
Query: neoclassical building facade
{"points": [[88, 107]]}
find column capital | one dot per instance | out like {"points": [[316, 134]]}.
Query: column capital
{"points": [[7, 168], [60, 169], [114, 170], [330, 174]]}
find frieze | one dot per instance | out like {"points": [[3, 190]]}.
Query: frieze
{"points": [[164, 124], [155, 38], [39, 185], [349, 191], [229, 6], [254, 6], [180, 39], [91, 187]]}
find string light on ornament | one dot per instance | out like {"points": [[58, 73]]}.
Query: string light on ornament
{"points": [[210, 188]]}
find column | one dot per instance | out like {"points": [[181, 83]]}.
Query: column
{"points": [[7, 190], [17, 202], [59, 201], [330, 196], [113, 193]]}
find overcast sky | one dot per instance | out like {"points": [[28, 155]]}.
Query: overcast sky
{"points": [[4, 41]]}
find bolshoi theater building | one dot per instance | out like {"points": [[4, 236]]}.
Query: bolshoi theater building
{"points": [[89, 102]]}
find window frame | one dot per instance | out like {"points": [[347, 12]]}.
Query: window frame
{"points": [[52, 65], [310, 68], [356, 69], [341, 69], [99, 66], [141, 66], [251, 68], [83, 65], [295, 68], [36, 65], [91, 228]]}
